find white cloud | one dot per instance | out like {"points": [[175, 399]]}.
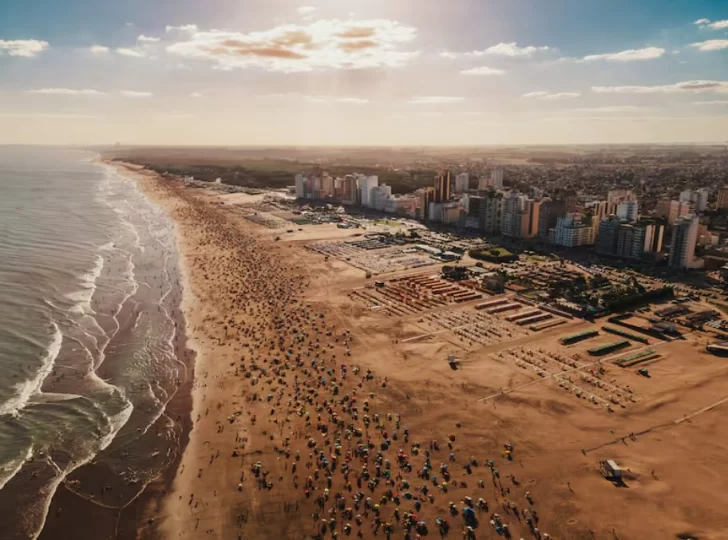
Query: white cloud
{"points": [[135, 94], [123, 51], [708, 103], [719, 25], [711, 45], [98, 49], [610, 109], [330, 99], [196, 95], [148, 39], [50, 116], [306, 10], [186, 28], [67, 92], [631, 55], [448, 54], [335, 44], [436, 100], [483, 70], [680, 87], [702, 22], [27, 48], [552, 96], [508, 49]]}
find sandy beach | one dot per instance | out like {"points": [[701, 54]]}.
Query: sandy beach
{"points": [[315, 417]]}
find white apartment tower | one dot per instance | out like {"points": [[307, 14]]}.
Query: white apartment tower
{"points": [[684, 240]]}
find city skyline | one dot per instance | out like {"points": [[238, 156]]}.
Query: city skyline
{"points": [[347, 73]]}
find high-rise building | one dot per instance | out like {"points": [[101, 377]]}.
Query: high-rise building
{"points": [[496, 178], [443, 186], [723, 198], [698, 198], [512, 214], [617, 196], [451, 213], [571, 203], [684, 240], [327, 186], [606, 241], [379, 195], [350, 190], [654, 234], [673, 210], [549, 212], [530, 218], [301, 182], [630, 240], [570, 233], [366, 184], [462, 182], [628, 210], [426, 198]]}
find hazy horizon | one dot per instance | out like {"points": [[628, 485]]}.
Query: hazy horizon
{"points": [[349, 74]]}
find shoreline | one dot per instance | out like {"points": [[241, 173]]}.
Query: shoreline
{"points": [[135, 519]]}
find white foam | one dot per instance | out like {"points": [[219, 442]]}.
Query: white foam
{"points": [[11, 468], [27, 389]]}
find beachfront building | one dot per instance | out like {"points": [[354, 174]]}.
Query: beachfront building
{"points": [[462, 182], [443, 186], [379, 196], [628, 210], [570, 233], [366, 185], [684, 241]]}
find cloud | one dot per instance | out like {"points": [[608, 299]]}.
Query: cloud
{"points": [[552, 97], [26, 48], [610, 109], [196, 95], [717, 102], [716, 25], [67, 92], [509, 49], [186, 28], [334, 44], [631, 55], [50, 116], [123, 51], [306, 10], [135, 94], [436, 100], [148, 39], [711, 45], [98, 49], [483, 70], [330, 99], [680, 87], [448, 54]]}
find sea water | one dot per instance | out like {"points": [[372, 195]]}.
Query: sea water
{"points": [[89, 297]]}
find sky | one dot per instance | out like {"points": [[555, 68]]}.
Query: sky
{"points": [[353, 72]]}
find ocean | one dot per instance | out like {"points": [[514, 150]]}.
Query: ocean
{"points": [[89, 311]]}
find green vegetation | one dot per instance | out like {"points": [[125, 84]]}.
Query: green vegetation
{"points": [[636, 358], [387, 222], [494, 254], [629, 301], [605, 349], [581, 336], [624, 334]]}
